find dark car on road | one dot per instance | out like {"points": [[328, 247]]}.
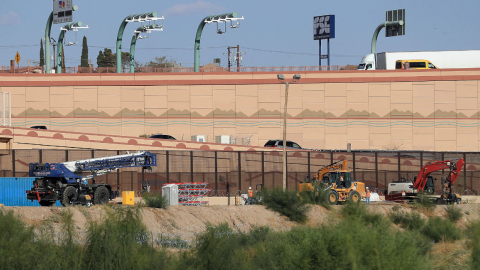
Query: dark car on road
{"points": [[279, 144], [162, 136]]}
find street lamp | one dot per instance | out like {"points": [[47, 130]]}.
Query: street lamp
{"points": [[296, 77]]}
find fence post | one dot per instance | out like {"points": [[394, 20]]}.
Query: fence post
{"points": [[239, 171], [354, 170], [191, 166], [308, 162], [376, 169], [399, 166], [421, 161], [13, 162], [216, 173], [465, 172], [168, 165], [40, 156], [118, 174], [331, 157]]}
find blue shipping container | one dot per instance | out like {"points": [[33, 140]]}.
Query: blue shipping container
{"points": [[13, 191]]}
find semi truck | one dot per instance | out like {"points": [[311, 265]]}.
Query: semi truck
{"points": [[441, 59]]}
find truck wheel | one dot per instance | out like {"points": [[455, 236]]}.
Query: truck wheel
{"points": [[459, 201], [69, 196], [354, 196], [332, 198], [46, 203], [101, 196]]}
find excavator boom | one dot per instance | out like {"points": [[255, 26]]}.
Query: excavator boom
{"points": [[339, 165], [455, 167]]}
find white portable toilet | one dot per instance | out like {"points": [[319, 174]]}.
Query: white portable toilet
{"points": [[170, 191]]}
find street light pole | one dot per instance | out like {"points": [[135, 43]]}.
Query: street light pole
{"points": [[296, 77], [285, 138]]}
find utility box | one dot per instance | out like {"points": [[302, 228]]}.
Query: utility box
{"points": [[225, 139], [170, 191], [199, 138], [128, 197]]}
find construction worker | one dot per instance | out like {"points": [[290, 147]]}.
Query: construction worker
{"points": [[250, 195], [367, 196]]}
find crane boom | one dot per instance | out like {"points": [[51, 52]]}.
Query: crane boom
{"points": [[455, 167], [71, 171]]}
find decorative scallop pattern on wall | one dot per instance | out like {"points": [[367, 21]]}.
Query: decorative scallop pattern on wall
{"points": [[181, 146], [32, 134], [228, 148], [7, 132], [132, 142], [204, 147], [83, 138], [57, 136], [108, 140]]}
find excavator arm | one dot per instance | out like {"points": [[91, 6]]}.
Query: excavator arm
{"points": [[339, 165], [455, 167]]}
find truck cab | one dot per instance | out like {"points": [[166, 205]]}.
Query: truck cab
{"points": [[367, 63]]}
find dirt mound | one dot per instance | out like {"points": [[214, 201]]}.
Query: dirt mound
{"points": [[185, 222]]}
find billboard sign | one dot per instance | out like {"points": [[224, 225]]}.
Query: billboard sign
{"points": [[323, 27], [62, 11]]}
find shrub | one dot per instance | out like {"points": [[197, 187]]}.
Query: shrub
{"points": [[439, 229], [410, 221], [317, 195], [454, 213], [155, 200], [285, 202], [357, 210], [473, 235], [425, 203]]}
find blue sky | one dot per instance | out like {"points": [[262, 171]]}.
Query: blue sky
{"points": [[270, 25]]}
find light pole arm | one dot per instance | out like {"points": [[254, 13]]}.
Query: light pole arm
{"points": [[196, 54], [377, 31], [118, 50], [48, 28]]}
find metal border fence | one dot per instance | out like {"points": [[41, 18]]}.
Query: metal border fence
{"points": [[228, 173]]}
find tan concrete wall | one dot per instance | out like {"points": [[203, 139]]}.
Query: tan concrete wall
{"points": [[408, 110]]}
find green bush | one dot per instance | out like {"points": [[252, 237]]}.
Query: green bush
{"points": [[285, 202], [410, 221], [155, 200], [473, 235], [454, 213], [317, 195], [425, 202], [439, 229], [359, 211]]}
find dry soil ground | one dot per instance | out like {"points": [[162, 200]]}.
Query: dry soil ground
{"points": [[187, 221]]}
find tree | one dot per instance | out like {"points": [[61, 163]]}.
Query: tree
{"points": [[125, 59], [42, 54], [84, 57], [106, 58], [161, 62]]}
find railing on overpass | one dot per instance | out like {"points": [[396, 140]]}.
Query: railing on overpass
{"points": [[27, 70]]}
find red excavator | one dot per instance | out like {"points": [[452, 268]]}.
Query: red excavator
{"points": [[424, 183]]}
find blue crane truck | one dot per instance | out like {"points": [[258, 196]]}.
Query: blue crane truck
{"points": [[65, 181]]}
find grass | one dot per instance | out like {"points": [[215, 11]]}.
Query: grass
{"points": [[285, 202], [425, 204], [155, 200]]}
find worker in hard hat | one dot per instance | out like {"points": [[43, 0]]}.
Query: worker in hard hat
{"points": [[250, 195], [367, 196]]}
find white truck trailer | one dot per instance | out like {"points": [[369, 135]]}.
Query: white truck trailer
{"points": [[441, 59]]}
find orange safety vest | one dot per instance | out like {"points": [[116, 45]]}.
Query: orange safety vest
{"points": [[368, 194], [250, 193]]}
